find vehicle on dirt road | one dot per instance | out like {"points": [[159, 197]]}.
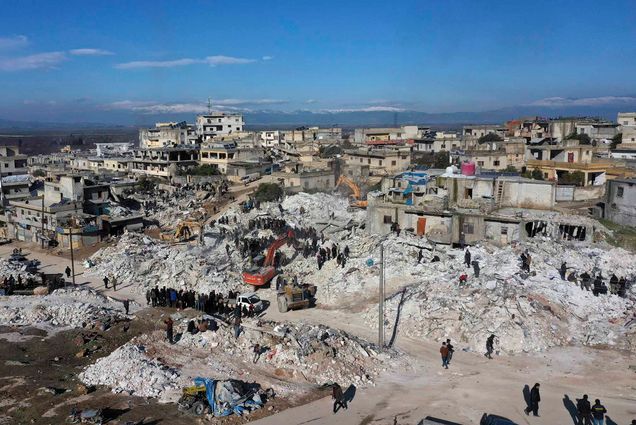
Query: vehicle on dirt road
{"points": [[295, 297]]}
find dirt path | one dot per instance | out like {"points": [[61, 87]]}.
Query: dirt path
{"points": [[473, 385]]}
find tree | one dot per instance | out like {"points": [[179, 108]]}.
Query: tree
{"points": [[616, 140], [267, 192], [38, 173], [576, 178], [583, 138], [536, 174], [490, 137], [511, 169], [441, 159]]}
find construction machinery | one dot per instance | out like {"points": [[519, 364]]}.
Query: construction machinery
{"points": [[295, 297], [182, 232], [259, 276], [356, 200]]}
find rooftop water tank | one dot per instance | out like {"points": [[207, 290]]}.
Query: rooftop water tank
{"points": [[468, 168]]}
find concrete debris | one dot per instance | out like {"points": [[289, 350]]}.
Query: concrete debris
{"points": [[129, 369], [64, 308]]}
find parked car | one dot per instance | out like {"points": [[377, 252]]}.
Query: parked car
{"points": [[250, 299]]}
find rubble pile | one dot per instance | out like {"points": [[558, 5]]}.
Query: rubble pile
{"points": [[8, 268], [65, 307], [526, 313], [144, 262], [129, 369], [308, 353]]}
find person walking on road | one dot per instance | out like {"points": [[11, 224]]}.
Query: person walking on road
{"points": [[535, 398], [584, 411], [338, 398], [68, 272], [451, 350], [490, 343], [126, 306], [444, 352], [106, 282], [598, 412]]}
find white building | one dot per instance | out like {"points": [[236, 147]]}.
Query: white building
{"points": [[270, 138], [12, 162], [167, 134], [218, 124], [627, 121]]}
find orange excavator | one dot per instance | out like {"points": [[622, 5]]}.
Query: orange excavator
{"points": [[357, 200], [259, 276]]}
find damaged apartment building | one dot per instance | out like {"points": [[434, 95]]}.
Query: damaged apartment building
{"points": [[451, 208]]}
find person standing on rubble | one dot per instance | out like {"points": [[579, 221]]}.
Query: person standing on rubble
{"points": [[490, 343], [126, 304], [257, 353], [169, 329], [563, 270], [476, 268], [338, 398], [467, 257], [535, 398], [444, 352], [237, 326]]}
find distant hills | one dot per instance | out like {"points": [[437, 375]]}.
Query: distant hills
{"points": [[283, 119]]}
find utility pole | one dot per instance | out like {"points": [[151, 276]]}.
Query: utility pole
{"points": [[42, 223], [381, 300], [72, 257]]}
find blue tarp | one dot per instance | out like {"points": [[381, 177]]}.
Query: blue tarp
{"points": [[228, 402]]}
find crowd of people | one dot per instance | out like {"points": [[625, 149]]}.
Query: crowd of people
{"points": [[595, 282]]}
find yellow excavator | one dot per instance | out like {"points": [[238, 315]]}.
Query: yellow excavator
{"points": [[356, 201], [182, 232]]}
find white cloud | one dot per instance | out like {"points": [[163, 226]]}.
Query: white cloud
{"points": [[584, 101], [39, 60], [226, 60], [90, 52], [367, 109], [156, 64], [311, 101], [14, 42], [267, 58], [210, 60], [152, 108]]}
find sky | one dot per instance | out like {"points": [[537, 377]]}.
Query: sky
{"points": [[92, 61]]}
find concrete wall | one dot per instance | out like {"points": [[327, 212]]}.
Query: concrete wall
{"points": [[621, 207], [528, 194]]}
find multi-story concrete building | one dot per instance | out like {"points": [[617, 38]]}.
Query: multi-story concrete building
{"points": [[14, 188], [221, 154], [627, 121], [477, 131], [598, 130], [405, 132], [167, 134], [164, 162], [380, 161], [12, 162], [620, 206], [216, 124], [270, 138]]}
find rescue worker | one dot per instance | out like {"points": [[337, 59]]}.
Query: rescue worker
{"points": [[535, 398], [585, 281], [598, 412], [613, 285]]}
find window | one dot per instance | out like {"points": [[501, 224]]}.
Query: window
{"points": [[545, 175], [388, 219], [496, 163], [480, 163], [504, 230], [619, 192], [393, 163], [468, 193], [380, 162], [469, 228]]}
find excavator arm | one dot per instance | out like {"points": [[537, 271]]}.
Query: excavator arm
{"points": [[354, 187], [271, 251]]}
